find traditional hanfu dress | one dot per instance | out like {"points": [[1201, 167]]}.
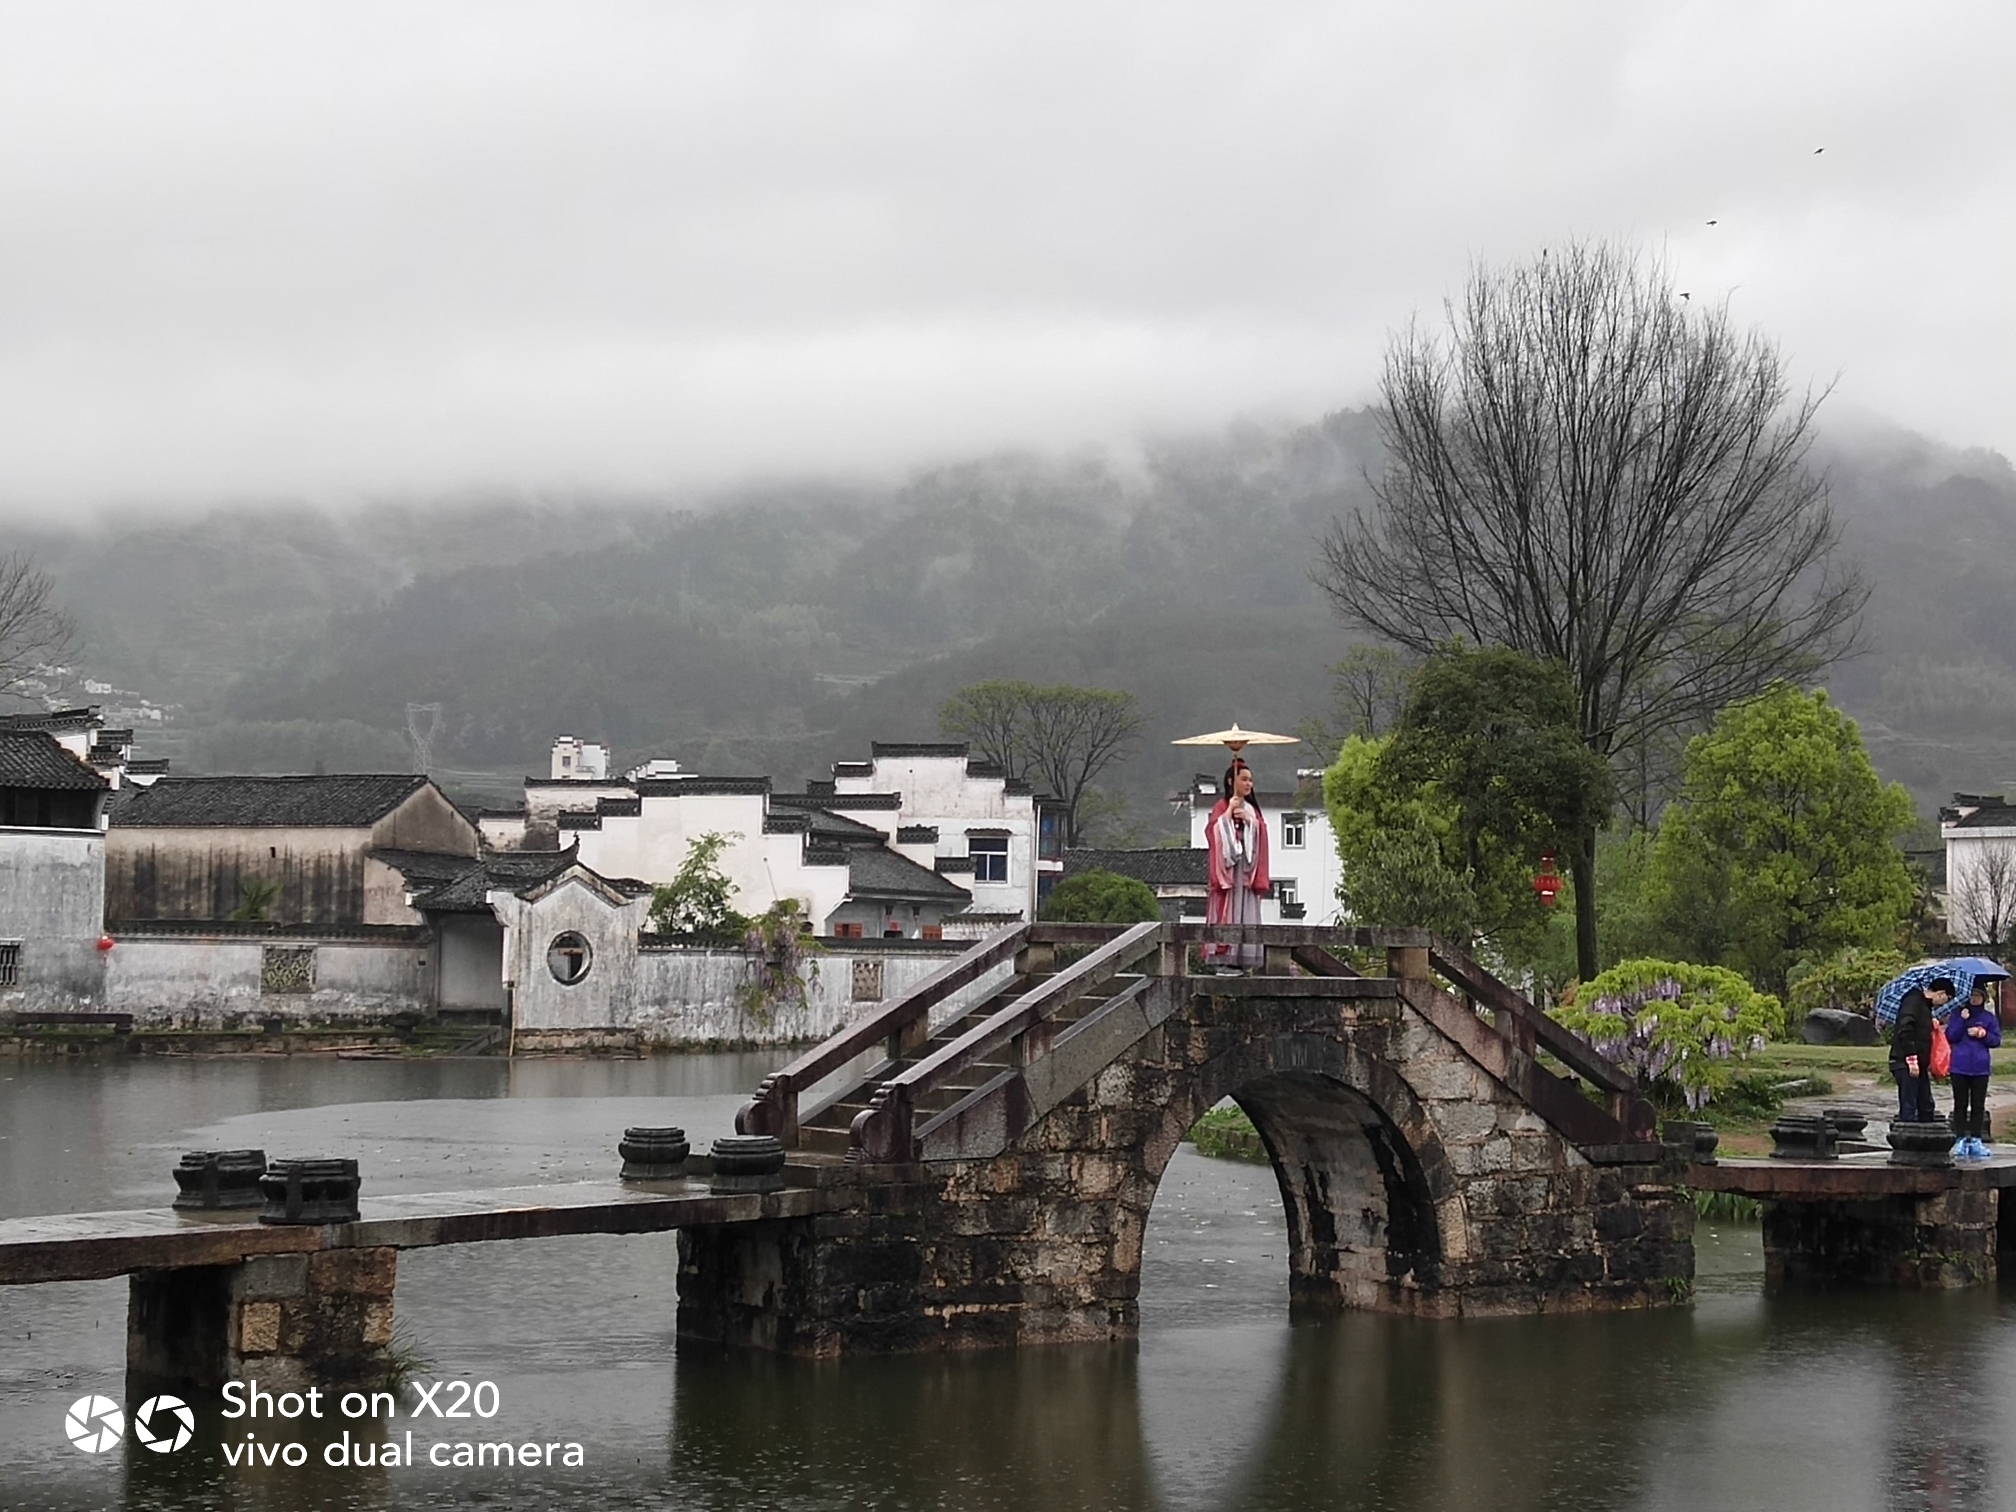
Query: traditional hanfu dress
{"points": [[1238, 879]]}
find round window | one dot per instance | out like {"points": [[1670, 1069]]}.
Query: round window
{"points": [[568, 957]]}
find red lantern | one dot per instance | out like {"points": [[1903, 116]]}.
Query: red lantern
{"points": [[1547, 884], [106, 942]]}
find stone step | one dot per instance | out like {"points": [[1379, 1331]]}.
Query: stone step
{"points": [[823, 1141]]}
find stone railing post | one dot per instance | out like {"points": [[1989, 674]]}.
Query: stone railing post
{"points": [[773, 1110], [1409, 962]]}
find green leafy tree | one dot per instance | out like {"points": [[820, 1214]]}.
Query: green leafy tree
{"points": [[1061, 737], [698, 903], [1442, 822], [1497, 736], [1780, 849], [1674, 1023], [1101, 897], [1399, 878], [1849, 981]]}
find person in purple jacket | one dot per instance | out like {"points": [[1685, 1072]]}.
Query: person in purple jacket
{"points": [[1973, 1031]]}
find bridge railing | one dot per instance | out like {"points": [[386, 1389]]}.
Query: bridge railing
{"points": [[884, 1132], [1526, 1029], [900, 1026]]}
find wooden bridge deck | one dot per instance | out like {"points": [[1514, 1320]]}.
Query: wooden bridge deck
{"points": [[92, 1246]]}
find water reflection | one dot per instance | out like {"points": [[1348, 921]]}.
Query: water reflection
{"points": [[1890, 1402]]}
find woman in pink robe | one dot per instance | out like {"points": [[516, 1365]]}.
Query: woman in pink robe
{"points": [[1235, 838]]}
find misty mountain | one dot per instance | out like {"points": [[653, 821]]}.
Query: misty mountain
{"points": [[780, 629]]}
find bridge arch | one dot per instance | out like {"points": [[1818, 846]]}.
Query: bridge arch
{"points": [[1369, 1194], [1372, 1203]]}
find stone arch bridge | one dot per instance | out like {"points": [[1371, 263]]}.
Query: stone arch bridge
{"points": [[992, 1142]]}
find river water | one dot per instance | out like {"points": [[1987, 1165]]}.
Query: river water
{"points": [[1883, 1401]]}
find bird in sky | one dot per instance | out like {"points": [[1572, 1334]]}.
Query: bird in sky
{"points": [[1684, 294], [1714, 223], [1818, 150]]}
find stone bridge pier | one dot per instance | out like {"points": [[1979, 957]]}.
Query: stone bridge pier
{"points": [[1415, 1181]]}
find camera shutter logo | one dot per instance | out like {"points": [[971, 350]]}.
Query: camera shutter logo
{"points": [[95, 1424], [164, 1424]]}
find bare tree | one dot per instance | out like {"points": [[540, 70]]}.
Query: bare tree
{"points": [[988, 716], [1369, 689], [34, 630], [1981, 906], [1591, 471], [1063, 737]]}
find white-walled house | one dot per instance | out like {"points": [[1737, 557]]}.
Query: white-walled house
{"points": [[990, 832], [579, 761], [52, 871], [851, 877], [1979, 831]]}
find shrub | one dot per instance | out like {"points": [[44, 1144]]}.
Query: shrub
{"points": [[1101, 897], [696, 904], [1674, 1023], [1850, 980]]}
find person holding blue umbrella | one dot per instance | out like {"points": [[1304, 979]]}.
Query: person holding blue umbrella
{"points": [[1911, 1048]]}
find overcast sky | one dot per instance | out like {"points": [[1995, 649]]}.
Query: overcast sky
{"points": [[284, 250]]}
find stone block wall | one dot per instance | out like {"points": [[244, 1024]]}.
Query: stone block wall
{"points": [[1936, 1241], [292, 1321]]}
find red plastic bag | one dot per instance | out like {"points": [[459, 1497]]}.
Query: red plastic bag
{"points": [[1942, 1052]]}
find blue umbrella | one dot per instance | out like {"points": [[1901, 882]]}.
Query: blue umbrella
{"points": [[1963, 972]]}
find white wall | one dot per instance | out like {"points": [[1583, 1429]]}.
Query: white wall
{"points": [[192, 981], [52, 901], [680, 997], [651, 846]]}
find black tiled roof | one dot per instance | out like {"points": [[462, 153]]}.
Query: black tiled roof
{"points": [[1990, 811], [574, 819], [978, 768], [876, 872], [953, 865], [837, 829], [1015, 787], [1168, 866], [115, 737], [901, 748], [817, 788], [868, 802], [676, 787], [345, 800], [517, 871], [619, 808], [917, 834], [423, 869], [57, 719], [33, 759], [153, 766]]}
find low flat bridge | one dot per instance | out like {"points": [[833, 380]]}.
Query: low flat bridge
{"points": [[973, 1164]]}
